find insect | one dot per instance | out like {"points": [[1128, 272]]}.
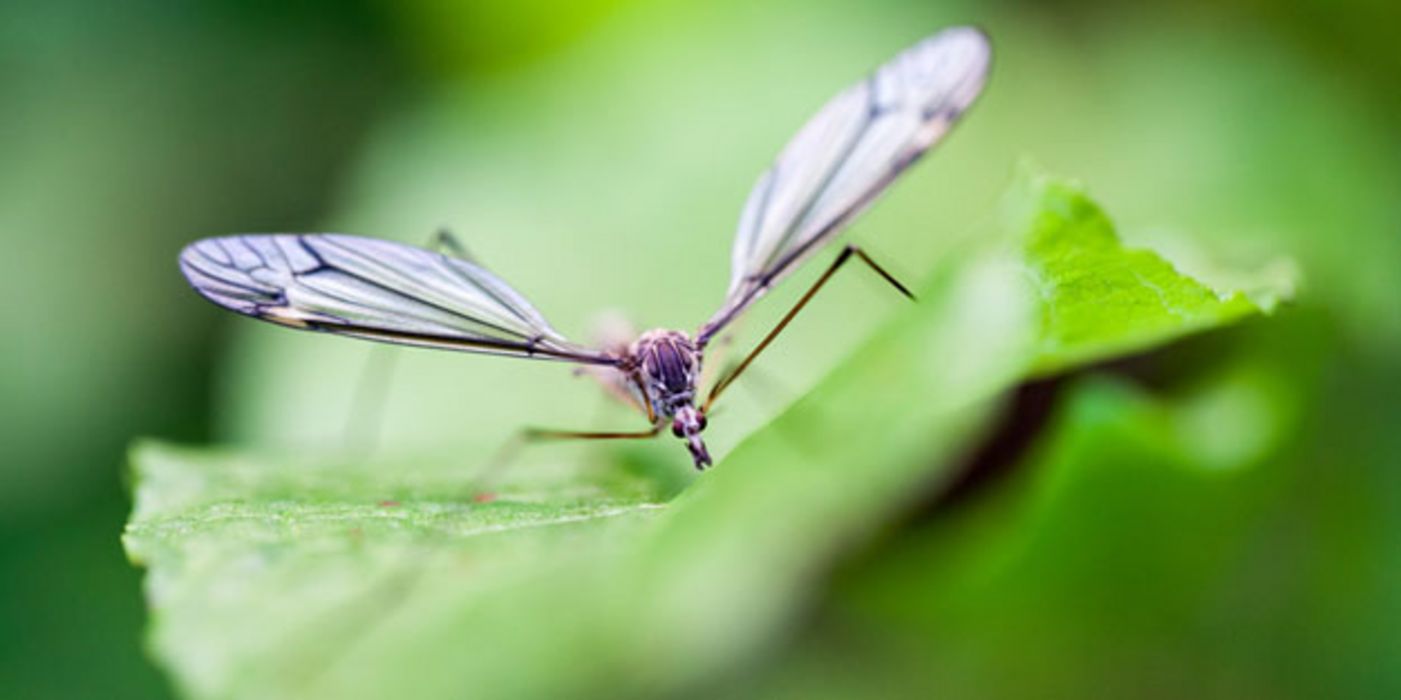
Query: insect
{"points": [[830, 171]]}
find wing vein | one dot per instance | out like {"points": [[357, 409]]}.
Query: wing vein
{"points": [[375, 290], [845, 156], [412, 298]]}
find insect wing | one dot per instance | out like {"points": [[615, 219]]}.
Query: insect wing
{"points": [[374, 289], [854, 147]]}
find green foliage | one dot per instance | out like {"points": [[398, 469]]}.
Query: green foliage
{"points": [[276, 579], [1099, 299]]}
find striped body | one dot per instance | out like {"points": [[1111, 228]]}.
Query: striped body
{"points": [[666, 365]]}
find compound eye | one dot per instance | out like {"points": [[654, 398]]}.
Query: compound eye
{"points": [[676, 429], [702, 422]]}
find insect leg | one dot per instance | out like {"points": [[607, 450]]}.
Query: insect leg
{"points": [[837, 264], [607, 378], [366, 416], [530, 436], [548, 434], [526, 436], [365, 420], [445, 242]]}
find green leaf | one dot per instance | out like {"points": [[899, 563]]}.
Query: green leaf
{"points": [[1100, 299], [277, 579]]}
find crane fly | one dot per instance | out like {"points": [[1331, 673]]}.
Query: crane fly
{"points": [[831, 170]]}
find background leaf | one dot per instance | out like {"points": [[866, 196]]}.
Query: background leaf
{"points": [[1100, 299]]}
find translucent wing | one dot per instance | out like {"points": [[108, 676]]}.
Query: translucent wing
{"points": [[374, 289], [847, 154]]}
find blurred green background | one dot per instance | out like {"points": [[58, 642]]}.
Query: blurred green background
{"points": [[1227, 521]]}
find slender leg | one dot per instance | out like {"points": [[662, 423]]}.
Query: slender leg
{"points": [[528, 436], [533, 435], [548, 434], [365, 420], [606, 377], [717, 362], [842, 258], [759, 384], [445, 242]]}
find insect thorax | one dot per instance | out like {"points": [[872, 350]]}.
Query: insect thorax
{"points": [[668, 364]]}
